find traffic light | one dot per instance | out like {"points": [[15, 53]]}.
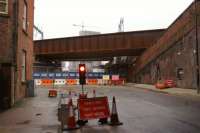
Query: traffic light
{"points": [[82, 72]]}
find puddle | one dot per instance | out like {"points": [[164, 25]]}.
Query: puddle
{"points": [[38, 114], [24, 122]]}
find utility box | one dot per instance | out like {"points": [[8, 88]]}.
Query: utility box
{"points": [[30, 88]]}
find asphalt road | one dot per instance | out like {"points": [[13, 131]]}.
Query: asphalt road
{"points": [[140, 110]]}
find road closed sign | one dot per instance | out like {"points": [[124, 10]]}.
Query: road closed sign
{"points": [[106, 77], [93, 108]]}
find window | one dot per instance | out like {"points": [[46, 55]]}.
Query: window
{"points": [[3, 6], [25, 18], [180, 73], [23, 66]]}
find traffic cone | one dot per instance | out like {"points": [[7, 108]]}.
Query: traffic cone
{"points": [[114, 120], [71, 122]]}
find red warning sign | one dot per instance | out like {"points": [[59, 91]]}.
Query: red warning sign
{"points": [[93, 108]]}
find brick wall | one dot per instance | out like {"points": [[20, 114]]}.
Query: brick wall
{"points": [[180, 55], [24, 42], [174, 50], [6, 35], [4, 45]]}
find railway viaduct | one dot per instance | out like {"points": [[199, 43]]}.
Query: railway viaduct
{"points": [[161, 54]]}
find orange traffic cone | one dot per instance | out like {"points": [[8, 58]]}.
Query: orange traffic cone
{"points": [[114, 120], [71, 122]]}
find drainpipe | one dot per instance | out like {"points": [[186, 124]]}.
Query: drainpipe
{"points": [[197, 45], [15, 44]]}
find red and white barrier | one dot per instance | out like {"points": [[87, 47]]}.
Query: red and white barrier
{"points": [[72, 81], [59, 82], [92, 81], [169, 83], [100, 81], [37, 82], [47, 82], [106, 80]]}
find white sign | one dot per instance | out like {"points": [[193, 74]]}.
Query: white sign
{"points": [[106, 77]]}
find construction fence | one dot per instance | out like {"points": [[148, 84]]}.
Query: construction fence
{"points": [[62, 79]]}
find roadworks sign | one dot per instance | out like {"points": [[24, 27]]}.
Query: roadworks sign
{"points": [[106, 77]]}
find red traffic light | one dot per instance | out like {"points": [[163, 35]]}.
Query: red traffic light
{"points": [[82, 74], [82, 68]]}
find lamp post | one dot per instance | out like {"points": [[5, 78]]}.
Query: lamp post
{"points": [[197, 46]]}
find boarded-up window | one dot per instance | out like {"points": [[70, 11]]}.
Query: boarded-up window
{"points": [[23, 66], [3, 6]]}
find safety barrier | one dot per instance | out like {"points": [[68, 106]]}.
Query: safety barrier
{"points": [[52, 93], [47, 82], [37, 82], [105, 82], [71, 81], [120, 81], [92, 81], [100, 81], [62, 82], [106, 79], [160, 85], [77, 80], [165, 84], [59, 82], [169, 83]]}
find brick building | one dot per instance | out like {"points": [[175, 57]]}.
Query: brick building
{"points": [[174, 55], [16, 49]]}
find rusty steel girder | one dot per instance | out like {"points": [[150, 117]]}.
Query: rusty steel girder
{"points": [[96, 46]]}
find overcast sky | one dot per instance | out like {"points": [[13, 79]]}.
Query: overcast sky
{"points": [[56, 17]]}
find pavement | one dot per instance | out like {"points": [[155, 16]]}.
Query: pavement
{"points": [[174, 91], [140, 110]]}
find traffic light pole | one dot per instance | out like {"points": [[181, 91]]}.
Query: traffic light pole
{"points": [[82, 73], [82, 89]]}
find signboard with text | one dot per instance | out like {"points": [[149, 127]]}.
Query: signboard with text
{"points": [[106, 77], [93, 108]]}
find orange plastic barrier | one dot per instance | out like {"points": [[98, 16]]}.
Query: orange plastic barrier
{"points": [[47, 82], [160, 85], [92, 81], [71, 81], [169, 83], [121, 81]]}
